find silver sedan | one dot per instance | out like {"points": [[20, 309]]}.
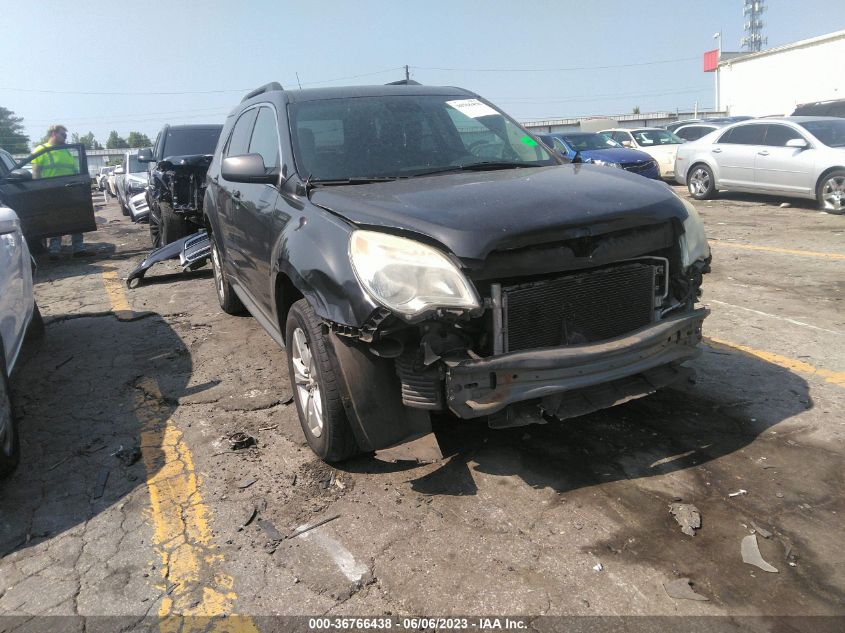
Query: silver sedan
{"points": [[801, 157]]}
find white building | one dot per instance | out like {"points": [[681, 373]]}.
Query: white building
{"points": [[776, 80]]}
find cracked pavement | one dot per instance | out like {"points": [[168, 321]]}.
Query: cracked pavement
{"points": [[510, 522]]}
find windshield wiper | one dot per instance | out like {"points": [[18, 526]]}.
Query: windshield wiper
{"points": [[316, 182], [489, 165]]}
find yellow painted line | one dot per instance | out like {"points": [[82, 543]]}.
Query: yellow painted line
{"points": [[774, 249], [117, 298], [195, 596], [792, 364]]}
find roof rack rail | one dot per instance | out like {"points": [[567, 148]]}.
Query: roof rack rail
{"points": [[404, 82], [273, 86]]}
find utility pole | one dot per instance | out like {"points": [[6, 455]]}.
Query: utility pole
{"points": [[407, 72], [718, 38]]}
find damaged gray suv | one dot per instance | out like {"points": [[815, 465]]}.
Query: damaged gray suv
{"points": [[415, 250]]}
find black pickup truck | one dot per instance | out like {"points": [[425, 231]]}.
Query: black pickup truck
{"points": [[178, 163]]}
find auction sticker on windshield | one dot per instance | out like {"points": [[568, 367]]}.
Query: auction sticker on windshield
{"points": [[472, 108]]}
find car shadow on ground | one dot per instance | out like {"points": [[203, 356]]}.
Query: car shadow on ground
{"points": [[673, 430], [87, 401], [758, 199]]}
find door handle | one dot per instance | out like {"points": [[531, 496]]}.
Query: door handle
{"points": [[236, 194], [763, 153], [71, 184], [717, 151]]}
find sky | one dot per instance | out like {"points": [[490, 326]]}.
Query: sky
{"points": [[101, 66]]}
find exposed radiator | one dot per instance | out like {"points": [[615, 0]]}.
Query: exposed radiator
{"points": [[579, 308]]}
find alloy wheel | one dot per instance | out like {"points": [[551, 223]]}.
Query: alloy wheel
{"points": [[699, 182], [307, 385], [833, 193], [218, 272]]}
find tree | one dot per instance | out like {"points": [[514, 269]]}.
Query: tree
{"points": [[12, 137], [137, 139], [87, 140], [636, 109], [116, 142]]}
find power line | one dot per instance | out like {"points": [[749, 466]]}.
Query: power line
{"points": [[555, 70]]}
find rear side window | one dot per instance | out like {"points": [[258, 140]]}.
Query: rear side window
{"points": [[239, 141], [744, 135], [265, 140], [778, 135], [693, 132]]}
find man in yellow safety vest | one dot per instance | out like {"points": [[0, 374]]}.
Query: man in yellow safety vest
{"points": [[52, 164]]}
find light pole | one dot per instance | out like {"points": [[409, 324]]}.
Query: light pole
{"points": [[718, 38]]}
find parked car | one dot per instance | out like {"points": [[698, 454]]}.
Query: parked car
{"points": [[19, 318], [821, 108], [103, 178], [115, 174], [694, 131], [803, 157], [178, 163], [673, 127], [139, 210], [414, 249], [48, 206], [600, 149], [660, 144], [134, 181]]}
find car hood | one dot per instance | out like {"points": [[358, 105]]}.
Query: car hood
{"points": [[616, 155], [473, 214]]}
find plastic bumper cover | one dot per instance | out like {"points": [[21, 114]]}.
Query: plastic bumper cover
{"points": [[477, 388]]}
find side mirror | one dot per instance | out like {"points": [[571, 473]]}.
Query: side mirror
{"points": [[145, 155], [248, 168], [19, 175], [118, 171], [800, 143]]}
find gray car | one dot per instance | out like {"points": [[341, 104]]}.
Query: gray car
{"points": [[801, 157]]}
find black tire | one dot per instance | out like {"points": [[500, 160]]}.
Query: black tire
{"points": [[701, 183], [123, 208], [226, 297], [35, 331], [334, 442], [173, 226], [10, 444], [829, 203], [155, 225]]}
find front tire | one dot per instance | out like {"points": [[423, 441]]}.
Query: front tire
{"points": [[315, 381], [700, 182], [830, 192], [10, 447]]}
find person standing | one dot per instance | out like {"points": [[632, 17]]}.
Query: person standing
{"points": [[52, 164]]}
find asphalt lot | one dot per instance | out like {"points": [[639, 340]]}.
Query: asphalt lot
{"points": [[557, 519]]}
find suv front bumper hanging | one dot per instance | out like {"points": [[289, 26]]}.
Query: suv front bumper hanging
{"points": [[476, 388]]}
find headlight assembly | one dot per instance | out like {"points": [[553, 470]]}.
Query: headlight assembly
{"points": [[694, 246], [406, 276], [606, 163]]}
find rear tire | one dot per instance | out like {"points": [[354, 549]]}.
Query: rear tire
{"points": [[830, 192], [226, 297], [10, 446], [700, 182], [315, 381]]}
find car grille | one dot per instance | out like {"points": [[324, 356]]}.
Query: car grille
{"points": [[579, 308], [640, 166]]}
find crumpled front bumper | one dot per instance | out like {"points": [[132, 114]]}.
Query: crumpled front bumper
{"points": [[476, 388]]}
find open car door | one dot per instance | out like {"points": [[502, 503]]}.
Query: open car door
{"points": [[58, 202]]}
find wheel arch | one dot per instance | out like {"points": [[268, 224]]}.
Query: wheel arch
{"points": [[824, 175], [285, 295]]}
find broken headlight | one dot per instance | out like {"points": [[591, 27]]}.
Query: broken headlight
{"points": [[694, 246], [406, 276]]}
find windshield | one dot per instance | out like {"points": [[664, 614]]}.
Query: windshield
{"points": [[650, 138], [831, 133], [405, 135], [191, 141], [134, 166], [586, 142]]}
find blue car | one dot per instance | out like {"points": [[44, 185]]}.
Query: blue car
{"points": [[601, 150]]}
